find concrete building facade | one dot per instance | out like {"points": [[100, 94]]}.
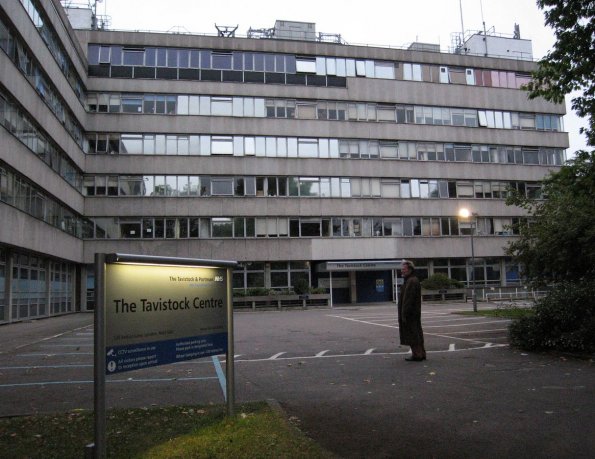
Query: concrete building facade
{"points": [[297, 158]]}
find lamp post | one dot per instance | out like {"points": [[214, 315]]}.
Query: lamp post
{"points": [[465, 213]]}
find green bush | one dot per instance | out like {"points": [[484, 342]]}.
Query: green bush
{"points": [[563, 320], [301, 286], [440, 281], [315, 290], [258, 291]]}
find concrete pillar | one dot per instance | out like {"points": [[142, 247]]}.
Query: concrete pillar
{"points": [[352, 287]]}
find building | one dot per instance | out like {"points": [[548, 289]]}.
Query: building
{"points": [[299, 157]]}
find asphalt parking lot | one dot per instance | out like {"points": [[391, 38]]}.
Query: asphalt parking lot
{"points": [[340, 375]]}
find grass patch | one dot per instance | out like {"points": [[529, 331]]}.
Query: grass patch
{"points": [[504, 313], [180, 431]]}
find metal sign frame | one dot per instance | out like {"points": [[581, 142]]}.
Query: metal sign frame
{"points": [[101, 261]]}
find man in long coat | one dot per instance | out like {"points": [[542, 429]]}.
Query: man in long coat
{"points": [[409, 310]]}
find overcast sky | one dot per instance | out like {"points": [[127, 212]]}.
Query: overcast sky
{"points": [[375, 22]]}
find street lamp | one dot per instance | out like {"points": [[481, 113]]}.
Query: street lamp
{"points": [[466, 214]]}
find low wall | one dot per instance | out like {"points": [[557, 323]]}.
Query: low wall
{"points": [[282, 301], [451, 294]]}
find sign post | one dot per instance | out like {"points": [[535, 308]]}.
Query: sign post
{"points": [[158, 310]]}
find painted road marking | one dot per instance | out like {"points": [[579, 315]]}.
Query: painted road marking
{"points": [[369, 351], [489, 330], [364, 321], [451, 347], [129, 380], [321, 353], [33, 367], [65, 345], [332, 356], [464, 325], [53, 354], [274, 357], [54, 336], [220, 375]]}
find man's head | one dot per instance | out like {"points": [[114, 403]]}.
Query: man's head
{"points": [[407, 268]]}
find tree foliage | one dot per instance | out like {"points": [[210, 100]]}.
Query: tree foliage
{"points": [[439, 281], [557, 243], [563, 320], [570, 65]]}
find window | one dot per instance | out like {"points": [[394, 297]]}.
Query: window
{"points": [[132, 104], [384, 70], [304, 65], [307, 148], [306, 111], [223, 186], [131, 144], [221, 145], [527, 121], [133, 56], [221, 106], [222, 227], [444, 75], [386, 113], [412, 72]]}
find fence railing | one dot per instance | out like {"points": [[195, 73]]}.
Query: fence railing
{"points": [[282, 301], [516, 295]]}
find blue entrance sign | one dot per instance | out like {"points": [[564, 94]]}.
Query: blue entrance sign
{"points": [[149, 354]]}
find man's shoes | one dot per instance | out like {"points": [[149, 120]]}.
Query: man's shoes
{"points": [[414, 359]]}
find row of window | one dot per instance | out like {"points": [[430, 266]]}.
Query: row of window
{"points": [[225, 76], [3, 309], [304, 147], [318, 187], [321, 110], [485, 271], [50, 37], [238, 61], [22, 57], [19, 192], [305, 227], [22, 126], [275, 274], [39, 287]]}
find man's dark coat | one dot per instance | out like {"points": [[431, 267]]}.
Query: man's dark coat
{"points": [[409, 309]]}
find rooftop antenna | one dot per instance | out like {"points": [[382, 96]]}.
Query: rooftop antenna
{"points": [[462, 25], [226, 31], [485, 35]]}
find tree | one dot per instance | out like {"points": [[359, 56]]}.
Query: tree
{"points": [[557, 243], [570, 66]]}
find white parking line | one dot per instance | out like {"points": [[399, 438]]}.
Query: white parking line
{"points": [[40, 367], [463, 325], [54, 354], [64, 345], [491, 330], [455, 319], [321, 353], [364, 321], [274, 357], [366, 354], [129, 380]]}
